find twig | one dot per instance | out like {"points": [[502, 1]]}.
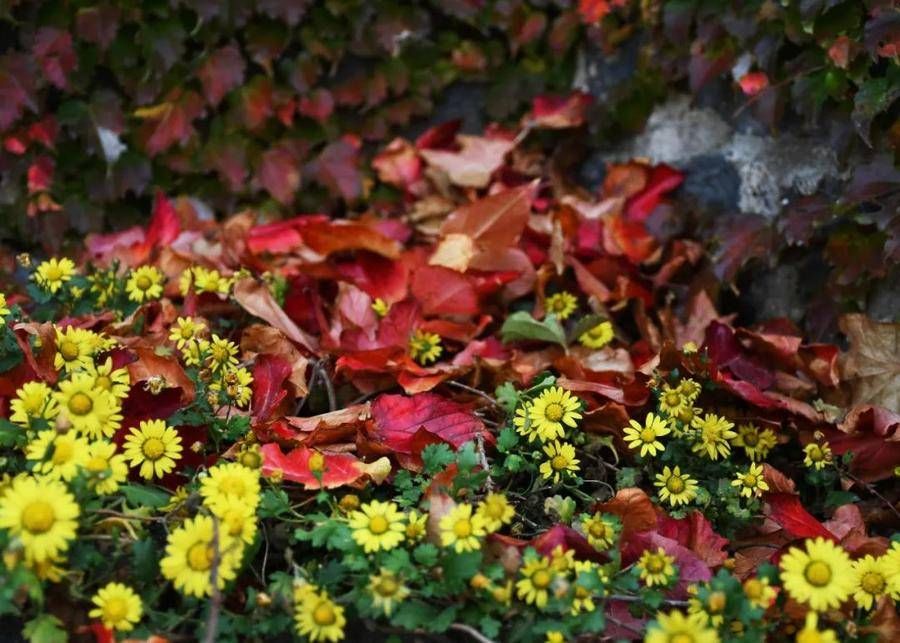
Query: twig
{"points": [[871, 489], [215, 604], [625, 598], [471, 631], [329, 386], [782, 82], [623, 625], [117, 514], [473, 390], [483, 461]]}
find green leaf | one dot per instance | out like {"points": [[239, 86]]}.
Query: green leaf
{"points": [[507, 440], [507, 396], [436, 457], [45, 628], [141, 496], [522, 326], [426, 554]]}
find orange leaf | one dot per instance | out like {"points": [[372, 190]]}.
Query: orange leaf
{"points": [[256, 299]]}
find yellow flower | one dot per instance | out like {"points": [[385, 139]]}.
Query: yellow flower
{"points": [[562, 304], [555, 636], [319, 618], [534, 586], [117, 382], [236, 518], [190, 553], [713, 435], [57, 455], [377, 526], [415, 526], [689, 390], [92, 411], [871, 576], [892, 568], [33, 401], [387, 589], [106, 468], [561, 461], [818, 456], [425, 347], [154, 446], [562, 560], [42, 514], [74, 349], [554, 408], [144, 284], [48, 569], [230, 480], [811, 632], [4, 309], [50, 275], [675, 487], [461, 530], [647, 436], [599, 531], [710, 611], [523, 425], [185, 330], [118, 607], [756, 442], [759, 593], [821, 575], [380, 307], [193, 352], [236, 384], [495, 511], [583, 597], [656, 568], [751, 483], [210, 281], [671, 401], [598, 336], [676, 627], [221, 354]]}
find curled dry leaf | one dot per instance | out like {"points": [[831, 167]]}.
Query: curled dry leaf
{"points": [[257, 300], [872, 365]]}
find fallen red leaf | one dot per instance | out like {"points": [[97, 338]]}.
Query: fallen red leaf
{"points": [[338, 469], [787, 510]]}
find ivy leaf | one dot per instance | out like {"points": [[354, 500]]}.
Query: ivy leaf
{"points": [[874, 97], [522, 326], [221, 72]]}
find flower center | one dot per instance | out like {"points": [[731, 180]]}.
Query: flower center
{"points": [[541, 579], [648, 435], [387, 587], [872, 583], [234, 522], [96, 464], [655, 565], [80, 404], [200, 557], [751, 438], [597, 530], [53, 273], [675, 484], [378, 525], [753, 589], [672, 399], [115, 609], [559, 462], [554, 411], [187, 332], [62, 452], [153, 448], [716, 602], [815, 453], [103, 382], [68, 349], [143, 282], [817, 573], [750, 480], [324, 615], [681, 637], [232, 486], [462, 528], [38, 517]]}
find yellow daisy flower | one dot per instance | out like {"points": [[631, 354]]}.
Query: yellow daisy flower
{"points": [[190, 553], [676, 627], [561, 304], [144, 283], [675, 487], [41, 514], [230, 480], [377, 526], [597, 336], [553, 410], [534, 586], [425, 348], [210, 281], [503, 593], [871, 576], [523, 425], [50, 275], [555, 636], [416, 525], [600, 531], [59, 456], [115, 381], [118, 607], [222, 354], [495, 511], [387, 590], [318, 618], [759, 592], [185, 330], [193, 352], [583, 597], [236, 384], [562, 560], [561, 461], [646, 437], [154, 446], [811, 632], [821, 575], [656, 568], [713, 434], [756, 442], [891, 562], [92, 411], [33, 401], [689, 389], [671, 401], [106, 468], [49, 570], [236, 518], [818, 456], [711, 611], [462, 530], [751, 483], [74, 349]]}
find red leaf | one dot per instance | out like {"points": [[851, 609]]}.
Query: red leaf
{"points": [[151, 364], [339, 469], [696, 533], [560, 112], [787, 510], [256, 299], [98, 25], [40, 174], [256, 102], [337, 169], [593, 11], [567, 538], [398, 418], [318, 105], [398, 164], [164, 226], [633, 507], [53, 51], [170, 122], [16, 88], [269, 375], [279, 173], [872, 433], [662, 180], [444, 292], [474, 164], [221, 72], [497, 220]]}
